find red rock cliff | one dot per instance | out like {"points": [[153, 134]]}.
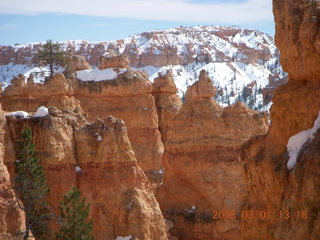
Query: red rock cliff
{"points": [[203, 171], [11, 217], [295, 109], [97, 157]]}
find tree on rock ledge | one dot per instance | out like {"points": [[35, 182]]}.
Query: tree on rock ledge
{"points": [[31, 186], [74, 212], [52, 55]]}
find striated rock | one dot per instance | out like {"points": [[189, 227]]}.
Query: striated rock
{"points": [[97, 157], [127, 97], [202, 88], [113, 60], [298, 22], [57, 92], [203, 171], [11, 217], [76, 63], [295, 108], [167, 101]]}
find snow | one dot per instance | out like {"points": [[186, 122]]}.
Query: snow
{"points": [[22, 114], [99, 75], [99, 138], [78, 169], [124, 238], [41, 112], [194, 42], [191, 210], [296, 142], [161, 171]]}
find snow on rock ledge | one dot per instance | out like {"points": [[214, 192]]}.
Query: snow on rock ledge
{"points": [[98, 75], [124, 238], [296, 142], [41, 112], [22, 114]]}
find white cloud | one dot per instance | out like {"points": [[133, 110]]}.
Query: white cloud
{"points": [[169, 10]]}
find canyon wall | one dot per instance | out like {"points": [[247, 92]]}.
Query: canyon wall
{"points": [[207, 158], [97, 157], [11, 216], [127, 97], [203, 170], [295, 108]]}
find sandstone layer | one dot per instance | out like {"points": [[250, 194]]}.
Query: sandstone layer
{"points": [[11, 216], [97, 157], [296, 106], [203, 170], [127, 97]]}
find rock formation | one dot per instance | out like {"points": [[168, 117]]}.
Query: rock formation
{"points": [[167, 101], [203, 171], [76, 63], [113, 60], [11, 217], [127, 97], [244, 58], [215, 159], [295, 109], [97, 157], [28, 96]]}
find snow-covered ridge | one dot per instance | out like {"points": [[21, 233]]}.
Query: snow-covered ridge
{"points": [[243, 63]]}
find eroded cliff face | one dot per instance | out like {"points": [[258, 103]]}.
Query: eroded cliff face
{"points": [[127, 97], [214, 159], [11, 217], [203, 170], [296, 106], [97, 157]]}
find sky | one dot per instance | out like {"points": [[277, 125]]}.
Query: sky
{"points": [[25, 21]]}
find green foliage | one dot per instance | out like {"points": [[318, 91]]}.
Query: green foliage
{"points": [[74, 213], [31, 186], [52, 55]]}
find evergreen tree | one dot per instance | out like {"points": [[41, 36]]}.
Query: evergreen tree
{"points": [[74, 213], [52, 55], [31, 186]]}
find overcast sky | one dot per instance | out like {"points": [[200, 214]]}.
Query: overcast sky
{"points": [[24, 21]]}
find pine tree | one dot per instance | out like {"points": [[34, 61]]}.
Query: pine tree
{"points": [[51, 54], [74, 213], [31, 186]]}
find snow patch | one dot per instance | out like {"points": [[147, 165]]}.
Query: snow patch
{"points": [[78, 169], [296, 142], [124, 238], [99, 138], [41, 112], [98, 75], [191, 210], [22, 114]]}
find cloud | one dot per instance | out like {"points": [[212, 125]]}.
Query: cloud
{"points": [[166, 10], [8, 26]]}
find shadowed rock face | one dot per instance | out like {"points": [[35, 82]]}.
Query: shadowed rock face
{"points": [[167, 101], [97, 157], [298, 38], [295, 108], [11, 217]]}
